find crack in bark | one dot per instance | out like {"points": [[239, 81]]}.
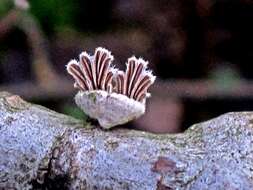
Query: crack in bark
{"points": [[44, 179]]}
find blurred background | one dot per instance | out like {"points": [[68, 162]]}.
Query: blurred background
{"points": [[200, 50]]}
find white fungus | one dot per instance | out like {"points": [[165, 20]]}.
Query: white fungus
{"points": [[111, 96]]}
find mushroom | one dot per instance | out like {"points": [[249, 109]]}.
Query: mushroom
{"points": [[111, 96]]}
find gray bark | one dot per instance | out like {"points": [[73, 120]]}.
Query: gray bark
{"points": [[42, 149]]}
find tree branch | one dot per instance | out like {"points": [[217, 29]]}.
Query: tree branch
{"points": [[42, 149]]}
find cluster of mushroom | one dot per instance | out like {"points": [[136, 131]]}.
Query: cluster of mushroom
{"points": [[111, 96]]}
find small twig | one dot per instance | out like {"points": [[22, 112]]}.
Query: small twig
{"points": [[7, 23], [42, 67]]}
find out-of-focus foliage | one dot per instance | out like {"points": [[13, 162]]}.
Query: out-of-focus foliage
{"points": [[54, 14], [5, 6], [225, 76]]}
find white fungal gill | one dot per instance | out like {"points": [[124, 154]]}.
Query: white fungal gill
{"points": [[93, 72], [135, 82], [111, 96]]}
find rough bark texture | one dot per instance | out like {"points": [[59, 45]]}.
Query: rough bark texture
{"points": [[42, 149]]}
